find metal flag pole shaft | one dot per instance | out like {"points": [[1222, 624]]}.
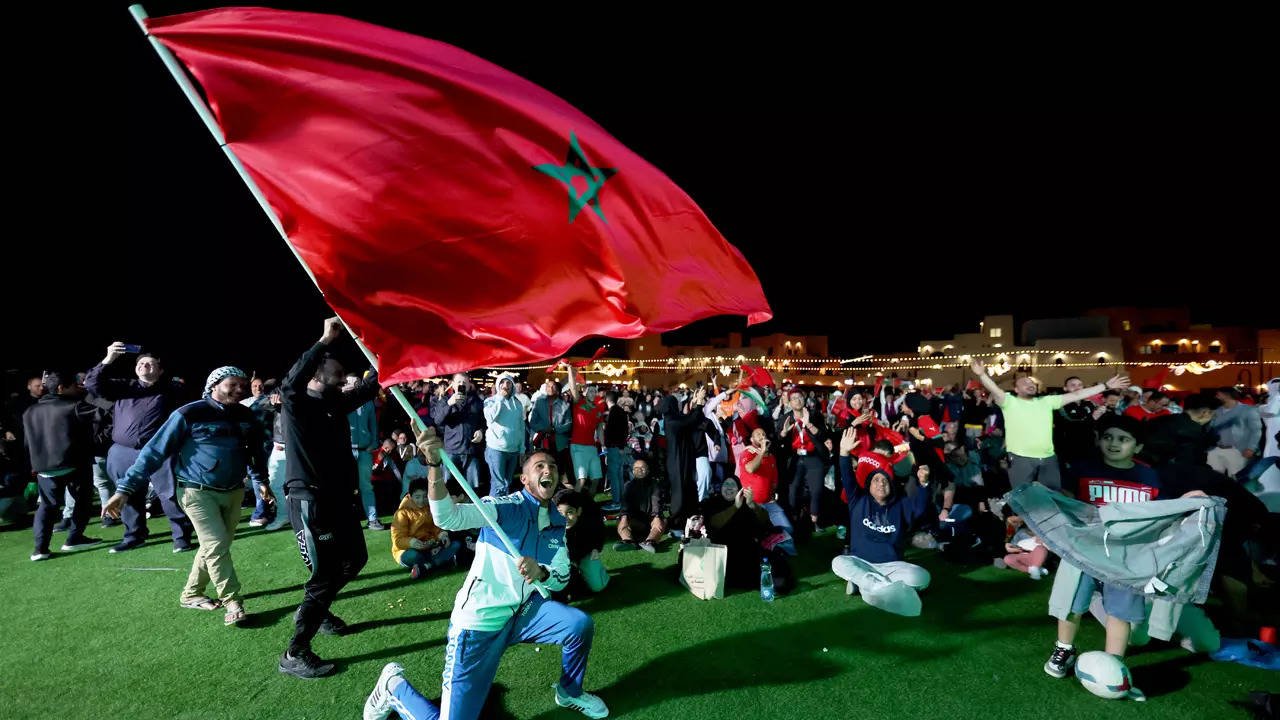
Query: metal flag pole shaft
{"points": [[197, 102]]}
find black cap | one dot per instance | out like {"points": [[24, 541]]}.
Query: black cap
{"points": [[1136, 428]]}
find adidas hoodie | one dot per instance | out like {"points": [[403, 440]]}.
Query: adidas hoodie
{"points": [[877, 533]]}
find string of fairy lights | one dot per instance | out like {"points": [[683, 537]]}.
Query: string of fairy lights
{"points": [[871, 365]]}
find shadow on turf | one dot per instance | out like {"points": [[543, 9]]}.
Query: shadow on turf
{"points": [[779, 656], [298, 587], [1166, 677], [268, 618], [630, 585], [392, 653]]}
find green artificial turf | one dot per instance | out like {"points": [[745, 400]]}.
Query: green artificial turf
{"points": [[88, 635]]}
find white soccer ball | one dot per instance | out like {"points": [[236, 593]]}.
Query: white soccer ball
{"points": [[1104, 675]]}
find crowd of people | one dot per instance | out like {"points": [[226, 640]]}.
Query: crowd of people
{"points": [[756, 468]]}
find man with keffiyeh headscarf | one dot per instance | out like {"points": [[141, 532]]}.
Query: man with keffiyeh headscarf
{"points": [[215, 440]]}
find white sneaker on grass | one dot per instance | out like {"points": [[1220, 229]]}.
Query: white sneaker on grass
{"points": [[378, 706], [37, 557], [586, 703]]}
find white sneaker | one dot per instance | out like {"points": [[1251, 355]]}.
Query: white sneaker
{"points": [[378, 706], [37, 557], [586, 703]]}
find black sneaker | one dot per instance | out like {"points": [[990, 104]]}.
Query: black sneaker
{"points": [[1060, 661], [306, 665], [63, 525], [377, 525], [625, 546], [333, 625], [110, 522], [125, 546], [83, 541]]}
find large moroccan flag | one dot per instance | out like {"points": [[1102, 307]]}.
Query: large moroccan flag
{"points": [[453, 213]]}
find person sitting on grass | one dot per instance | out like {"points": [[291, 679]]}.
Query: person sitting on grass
{"points": [[584, 536], [880, 522], [1117, 479], [641, 505], [416, 542], [735, 520], [1025, 551], [758, 470]]}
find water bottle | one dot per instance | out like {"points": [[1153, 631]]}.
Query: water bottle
{"points": [[842, 532], [766, 581]]}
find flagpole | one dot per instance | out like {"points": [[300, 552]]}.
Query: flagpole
{"points": [[210, 122]]}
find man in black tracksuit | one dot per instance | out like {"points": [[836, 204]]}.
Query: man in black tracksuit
{"points": [[323, 492], [58, 433]]}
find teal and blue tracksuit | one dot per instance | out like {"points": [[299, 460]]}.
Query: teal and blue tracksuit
{"points": [[497, 607]]}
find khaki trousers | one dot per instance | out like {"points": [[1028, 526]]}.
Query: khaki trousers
{"points": [[215, 516]]}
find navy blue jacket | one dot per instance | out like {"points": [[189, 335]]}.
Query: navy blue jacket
{"points": [[139, 409], [877, 533], [459, 422]]}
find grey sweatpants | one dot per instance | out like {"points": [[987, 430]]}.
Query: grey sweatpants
{"points": [[1024, 470]]}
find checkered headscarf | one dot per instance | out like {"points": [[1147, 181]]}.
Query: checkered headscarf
{"points": [[221, 374]]}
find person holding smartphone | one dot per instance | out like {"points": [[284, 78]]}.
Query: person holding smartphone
{"points": [[142, 404]]}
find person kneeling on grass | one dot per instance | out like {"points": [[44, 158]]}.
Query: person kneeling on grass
{"points": [[584, 536], [498, 605], [416, 542], [880, 522]]}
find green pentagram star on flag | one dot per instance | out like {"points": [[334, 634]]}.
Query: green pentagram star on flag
{"points": [[576, 165]]}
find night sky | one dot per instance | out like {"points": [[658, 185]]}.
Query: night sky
{"points": [[882, 195]]}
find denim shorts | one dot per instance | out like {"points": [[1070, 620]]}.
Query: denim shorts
{"points": [[1118, 602], [586, 462]]}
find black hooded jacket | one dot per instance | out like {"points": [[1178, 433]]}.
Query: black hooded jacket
{"points": [[58, 432]]}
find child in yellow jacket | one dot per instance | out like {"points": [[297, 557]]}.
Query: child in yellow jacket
{"points": [[416, 542]]}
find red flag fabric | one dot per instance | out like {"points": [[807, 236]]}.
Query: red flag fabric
{"points": [[581, 364], [841, 410], [756, 376], [1157, 382], [454, 214]]}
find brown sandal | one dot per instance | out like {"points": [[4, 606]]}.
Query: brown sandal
{"points": [[235, 613], [203, 603]]}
